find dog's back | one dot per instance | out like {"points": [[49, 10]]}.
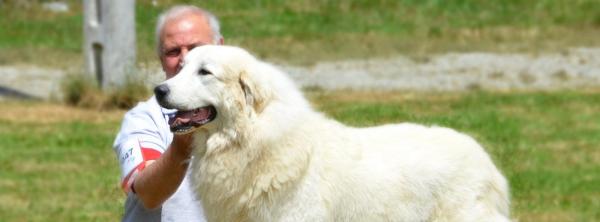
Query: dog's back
{"points": [[402, 172]]}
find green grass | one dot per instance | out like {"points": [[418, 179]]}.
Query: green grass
{"points": [[55, 167], [308, 31], [57, 163]]}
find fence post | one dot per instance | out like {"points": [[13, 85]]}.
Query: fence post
{"points": [[109, 45]]}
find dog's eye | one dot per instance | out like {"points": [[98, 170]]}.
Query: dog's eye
{"points": [[204, 71]]}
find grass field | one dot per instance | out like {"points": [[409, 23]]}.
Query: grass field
{"points": [[57, 163], [304, 32]]}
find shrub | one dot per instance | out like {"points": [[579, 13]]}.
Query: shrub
{"points": [[82, 91]]}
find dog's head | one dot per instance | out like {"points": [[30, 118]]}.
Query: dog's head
{"points": [[217, 86]]}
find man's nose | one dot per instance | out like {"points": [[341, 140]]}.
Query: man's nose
{"points": [[184, 51]]}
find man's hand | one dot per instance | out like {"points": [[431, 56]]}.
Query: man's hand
{"points": [[182, 144]]}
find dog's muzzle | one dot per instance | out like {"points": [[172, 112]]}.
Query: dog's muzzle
{"points": [[161, 91]]}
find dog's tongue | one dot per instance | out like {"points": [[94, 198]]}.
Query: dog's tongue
{"points": [[197, 116]]}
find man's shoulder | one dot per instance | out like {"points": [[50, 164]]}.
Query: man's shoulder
{"points": [[146, 107], [147, 113], [147, 120]]}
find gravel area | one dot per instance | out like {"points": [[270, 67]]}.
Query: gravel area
{"points": [[571, 69], [574, 68]]}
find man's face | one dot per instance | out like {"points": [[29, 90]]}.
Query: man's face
{"points": [[178, 37]]}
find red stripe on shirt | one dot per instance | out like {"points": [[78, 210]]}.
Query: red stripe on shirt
{"points": [[126, 184], [149, 153]]}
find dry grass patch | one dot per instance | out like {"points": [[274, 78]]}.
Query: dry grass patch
{"points": [[548, 216], [380, 96], [13, 201], [47, 113], [571, 153]]}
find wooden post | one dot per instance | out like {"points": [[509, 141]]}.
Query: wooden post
{"points": [[109, 46]]}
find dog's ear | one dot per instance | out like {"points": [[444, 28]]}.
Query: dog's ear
{"points": [[254, 94]]}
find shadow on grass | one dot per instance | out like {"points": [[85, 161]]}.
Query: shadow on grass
{"points": [[7, 92]]}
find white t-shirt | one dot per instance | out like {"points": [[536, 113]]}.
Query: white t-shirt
{"points": [[144, 136]]}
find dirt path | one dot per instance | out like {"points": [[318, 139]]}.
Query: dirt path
{"points": [[574, 68]]}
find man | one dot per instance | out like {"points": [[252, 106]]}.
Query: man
{"points": [[153, 161]]}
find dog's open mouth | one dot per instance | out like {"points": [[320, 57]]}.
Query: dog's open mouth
{"points": [[186, 121]]}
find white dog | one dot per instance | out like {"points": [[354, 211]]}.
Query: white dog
{"points": [[263, 154]]}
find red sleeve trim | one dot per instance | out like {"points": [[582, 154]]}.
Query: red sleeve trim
{"points": [[128, 181], [148, 154]]}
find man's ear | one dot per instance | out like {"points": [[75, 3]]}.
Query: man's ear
{"points": [[255, 95]]}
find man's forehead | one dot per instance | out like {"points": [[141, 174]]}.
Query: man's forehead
{"points": [[185, 22], [188, 41], [186, 33]]}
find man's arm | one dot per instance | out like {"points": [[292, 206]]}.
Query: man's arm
{"points": [[161, 178]]}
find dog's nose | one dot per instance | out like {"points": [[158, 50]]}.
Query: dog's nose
{"points": [[161, 91]]}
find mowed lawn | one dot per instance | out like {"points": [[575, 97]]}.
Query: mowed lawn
{"points": [[56, 162]]}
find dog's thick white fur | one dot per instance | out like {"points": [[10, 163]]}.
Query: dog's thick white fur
{"points": [[268, 156]]}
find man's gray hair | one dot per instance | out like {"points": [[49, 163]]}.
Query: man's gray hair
{"points": [[179, 10]]}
